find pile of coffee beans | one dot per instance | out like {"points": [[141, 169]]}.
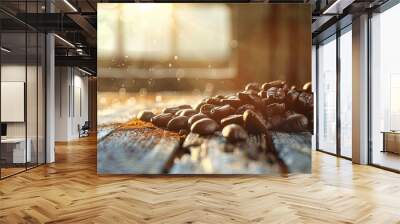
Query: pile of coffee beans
{"points": [[257, 109]]}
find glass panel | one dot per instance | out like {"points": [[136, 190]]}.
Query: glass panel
{"points": [[346, 94], [31, 98], [41, 99], [385, 84], [327, 96], [13, 86]]}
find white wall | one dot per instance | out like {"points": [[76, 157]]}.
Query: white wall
{"points": [[71, 103]]}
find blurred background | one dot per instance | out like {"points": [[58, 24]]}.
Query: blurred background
{"points": [[152, 55]]}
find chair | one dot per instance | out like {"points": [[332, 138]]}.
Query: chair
{"points": [[84, 130]]}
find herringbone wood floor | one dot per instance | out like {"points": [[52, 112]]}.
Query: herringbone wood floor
{"points": [[70, 191]]}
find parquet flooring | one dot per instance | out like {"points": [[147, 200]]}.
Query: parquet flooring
{"points": [[70, 191]]}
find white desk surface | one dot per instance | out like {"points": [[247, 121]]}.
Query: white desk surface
{"points": [[12, 140]]}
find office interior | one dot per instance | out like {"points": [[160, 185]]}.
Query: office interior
{"points": [[44, 99], [48, 76], [49, 116]]}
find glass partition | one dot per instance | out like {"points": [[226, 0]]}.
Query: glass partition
{"points": [[327, 95], [13, 94], [385, 89], [346, 93], [22, 93]]}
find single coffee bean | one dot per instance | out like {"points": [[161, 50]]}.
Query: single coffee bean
{"points": [[234, 133], [170, 110], [232, 102], [285, 87], [178, 123], [178, 113], [232, 119], [277, 121], [275, 108], [245, 107], [195, 118], [292, 97], [145, 115], [198, 106], [206, 109], [307, 87], [271, 93], [295, 123], [263, 94], [217, 113], [185, 106], [162, 120], [254, 100], [280, 95], [253, 86], [213, 101], [183, 132], [268, 85], [205, 126], [188, 112], [254, 123]]}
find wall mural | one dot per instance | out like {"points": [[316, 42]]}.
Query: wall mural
{"points": [[204, 88]]}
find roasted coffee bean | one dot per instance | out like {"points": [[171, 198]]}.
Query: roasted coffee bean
{"points": [[178, 123], [292, 97], [271, 93], [162, 120], [206, 109], [232, 97], [254, 100], [263, 94], [277, 121], [307, 87], [217, 113], [188, 112], [234, 133], [183, 132], [185, 106], [245, 107], [213, 101], [285, 87], [179, 112], [145, 115], [280, 95], [295, 123], [254, 123], [198, 106], [268, 85], [275, 108], [195, 118], [232, 119], [232, 102], [253, 86], [171, 110], [205, 126]]}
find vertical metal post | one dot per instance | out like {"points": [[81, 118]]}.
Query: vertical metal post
{"points": [[338, 77]]}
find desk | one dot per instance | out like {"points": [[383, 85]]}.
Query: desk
{"points": [[13, 150], [391, 141]]}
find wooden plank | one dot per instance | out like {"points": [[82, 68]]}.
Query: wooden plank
{"points": [[137, 150], [294, 149], [140, 148], [213, 155]]}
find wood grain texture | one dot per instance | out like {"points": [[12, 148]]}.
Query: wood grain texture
{"points": [[70, 191]]}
